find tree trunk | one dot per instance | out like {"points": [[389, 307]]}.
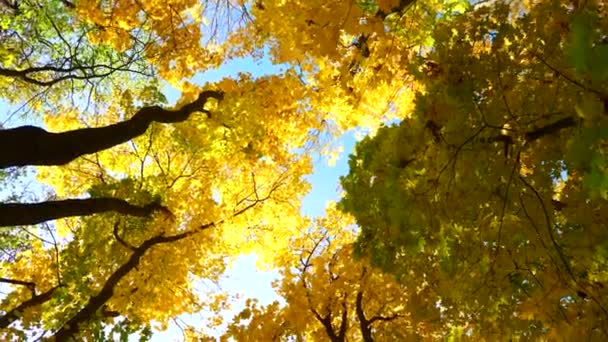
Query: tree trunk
{"points": [[15, 214], [29, 145], [364, 324]]}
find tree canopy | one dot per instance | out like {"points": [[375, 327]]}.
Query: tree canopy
{"points": [[493, 189], [475, 206]]}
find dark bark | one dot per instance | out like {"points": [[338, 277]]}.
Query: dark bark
{"points": [[403, 4], [25, 75], [39, 75], [344, 322], [364, 324], [329, 329], [537, 133], [14, 314], [550, 128], [31, 286], [29, 145], [384, 319], [326, 321], [68, 4], [15, 214]]}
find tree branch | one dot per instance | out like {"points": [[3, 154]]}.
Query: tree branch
{"points": [[63, 74], [600, 94], [14, 314], [71, 327], [96, 302], [329, 329], [16, 214], [364, 324], [326, 321], [383, 318], [119, 239], [344, 322], [537, 133], [30, 286], [550, 227], [39, 147], [403, 4], [68, 4], [550, 128]]}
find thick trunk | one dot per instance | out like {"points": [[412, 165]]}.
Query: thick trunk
{"points": [[29, 145], [15, 214]]}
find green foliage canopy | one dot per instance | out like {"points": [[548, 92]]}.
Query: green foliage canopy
{"points": [[492, 194]]}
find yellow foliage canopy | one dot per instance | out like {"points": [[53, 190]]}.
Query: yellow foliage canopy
{"points": [[482, 93]]}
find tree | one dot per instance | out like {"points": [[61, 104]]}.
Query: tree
{"points": [[331, 296], [41, 49], [493, 189], [133, 195], [156, 198], [149, 196]]}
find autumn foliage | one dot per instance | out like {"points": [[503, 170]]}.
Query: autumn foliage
{"points": [[475, 206]]}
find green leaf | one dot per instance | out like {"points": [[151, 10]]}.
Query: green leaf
{"points": [[579, 48]]}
